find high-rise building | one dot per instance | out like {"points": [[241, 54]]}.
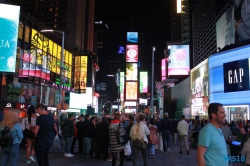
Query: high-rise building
{"points": [[204, 18], [76, 18], [175, 22], [185, 22]]}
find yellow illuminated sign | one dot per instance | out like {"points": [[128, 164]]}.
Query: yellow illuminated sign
{"points": [[81, 65]]}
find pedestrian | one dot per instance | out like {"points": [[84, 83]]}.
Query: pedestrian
{"points": [[227, 133], [9, 154], [79, 133], [56, 129], [44, 134], [158, 124], [152, 138], [116, 126], [138, 134], [166, 127], [102, 137], [87, 133], [182, 129], [68, 134], [246, 152], [212, 149], [131, 123], [74, 138], [29, 136]]}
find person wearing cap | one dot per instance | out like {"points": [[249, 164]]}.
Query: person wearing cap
{"points": [[68, 134], [166, 127]]}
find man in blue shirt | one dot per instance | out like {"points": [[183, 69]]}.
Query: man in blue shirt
{"points": [[212, 149]]}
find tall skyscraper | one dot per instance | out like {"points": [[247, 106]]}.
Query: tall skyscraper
{"points": [[175, 23], [76, 18]]}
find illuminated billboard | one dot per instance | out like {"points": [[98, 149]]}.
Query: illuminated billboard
{"points": [[9, 22], [225, 31], [132, 37], [131, 90], [80, 79], [143, 82], [131, 71], [199, 89], [132, 53], [163, 68], [178, 60]]}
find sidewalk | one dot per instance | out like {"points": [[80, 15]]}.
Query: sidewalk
{"points": [[173, 159]]}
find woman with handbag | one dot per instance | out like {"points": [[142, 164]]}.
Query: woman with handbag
{"points": [[10, 123], [138, 134], [116, 129], [29, 119], [152, 138]]}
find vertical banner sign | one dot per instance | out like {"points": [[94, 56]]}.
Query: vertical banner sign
{"points": [[77, 73], [9, 21], [83, 75]]}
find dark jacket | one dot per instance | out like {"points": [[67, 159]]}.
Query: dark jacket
{"points": [[102, 132], [68, 129], [166, 124], [158, 124], [79, 129], [128, 130], [87, 129]]}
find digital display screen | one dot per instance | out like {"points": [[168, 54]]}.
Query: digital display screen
{"points": [[143, 82], [132, 53], [131, 90], [131, 71], [132, 37]]}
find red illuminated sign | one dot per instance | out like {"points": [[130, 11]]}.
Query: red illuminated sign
{"points": [[96, 94], [132, 53]]}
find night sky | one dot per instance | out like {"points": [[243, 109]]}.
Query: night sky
{"points": [[148, 17]]}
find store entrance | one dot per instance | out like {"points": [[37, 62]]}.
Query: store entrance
{"points": [[237, 113]]}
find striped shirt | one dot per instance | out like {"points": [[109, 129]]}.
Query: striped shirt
{"points": [[113, 129]]}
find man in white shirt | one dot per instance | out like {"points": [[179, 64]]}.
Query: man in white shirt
{"points": [[182, 129]]}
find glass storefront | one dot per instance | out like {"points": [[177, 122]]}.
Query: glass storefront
{"points": [[237, 113]]}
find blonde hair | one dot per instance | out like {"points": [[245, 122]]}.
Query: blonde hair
{"points": [[10, 118], [140, 117]]}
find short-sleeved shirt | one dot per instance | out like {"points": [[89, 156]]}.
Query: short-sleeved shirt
{"points": [[46, 127], [212, 138]]}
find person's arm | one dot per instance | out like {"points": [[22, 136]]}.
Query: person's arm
{"points": [[178, 127], [19, 132], [146, 130], [38, 124], [130, 133], [55, 128], [200, 155]]}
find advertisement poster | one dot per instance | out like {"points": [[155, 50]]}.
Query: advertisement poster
{"points": [[131, 71], [132, 53], [199, 89], [143, 82], [131, 90], [178, 60], [122, 84], [80, 79], [9, 21], [45, 91], [132, 37]]}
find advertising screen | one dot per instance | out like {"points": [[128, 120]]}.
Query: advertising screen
{"points": [[143, 82], [9, 21], [131, 90], [236, 75], [178, 60], [132, 37], [132, 53], [163, 69], [225, 32], [131, 71], [80, 80], [76, 101], [199, 89]]}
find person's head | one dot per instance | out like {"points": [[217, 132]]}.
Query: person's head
{"points": [[152, 121], [104, 119], [41, 109], [216, 113], [87, 117], [131, 119], [10, 118], [71, 117], [117, 116], [81, 118], [31, 110], [55, 117], [166, 114], [74, 120], [92, 119], [140, 117], [182, 117]]}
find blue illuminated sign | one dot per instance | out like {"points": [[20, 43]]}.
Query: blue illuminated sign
{"points": [[132, 37]]}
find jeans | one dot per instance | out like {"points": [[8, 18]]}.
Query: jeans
{"points": [[114, 157], [10, 155], [138, 146], [151, 149], [68, 143], [80, 144], [166, 139], [73, 145], [86, 147], [42, 152], [185, 139]]}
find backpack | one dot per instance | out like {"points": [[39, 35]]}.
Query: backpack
{"points": [[153, 138], [137, 132], [6, 137]]}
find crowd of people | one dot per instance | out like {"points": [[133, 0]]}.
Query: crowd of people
{"points": [[107, 138]]}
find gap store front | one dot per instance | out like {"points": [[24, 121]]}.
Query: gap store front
{"points": [[229, 82]]}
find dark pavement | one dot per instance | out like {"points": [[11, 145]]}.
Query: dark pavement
{"points": [[57, 158]]}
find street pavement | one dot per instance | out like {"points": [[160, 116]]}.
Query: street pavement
{"points": [[57, 158]]}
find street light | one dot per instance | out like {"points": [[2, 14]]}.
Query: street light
{"points": [[62, 58], [152, 82]]}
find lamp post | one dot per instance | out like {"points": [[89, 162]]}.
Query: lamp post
{"points": [[152, 82]]}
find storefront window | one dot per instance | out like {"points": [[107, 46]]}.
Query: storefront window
{"points": [[20, 30], [27, 34]]}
